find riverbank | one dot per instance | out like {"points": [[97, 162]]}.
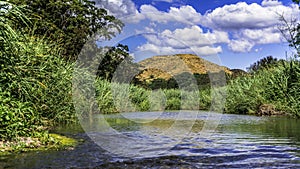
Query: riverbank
{"points": [[42, 143]]}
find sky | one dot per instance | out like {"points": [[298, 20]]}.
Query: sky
{"points": [[231, 33]]}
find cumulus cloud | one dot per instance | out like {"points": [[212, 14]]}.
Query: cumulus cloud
{"points": [[270, 3], [184, 14], [248, 16], [262, 36], [229, 17], [248, 25], [241, 45], [186, 40], [246, 39], [194, 36], [118, 8], [166, 50]]}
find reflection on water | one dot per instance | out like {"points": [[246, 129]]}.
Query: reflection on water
{"points": [[239, 141]]}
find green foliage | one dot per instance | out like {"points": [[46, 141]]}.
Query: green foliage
{"points": [[244, 95], [70, 22], [204, 99], [104, 97], [158, 83], [9, 15], [35, 81], [263, 63], [112, 60], [16, 118], [278, 86], [37, 74], [140, 99]]}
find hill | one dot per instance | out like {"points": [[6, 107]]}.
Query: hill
{"points": [[166, 66]]}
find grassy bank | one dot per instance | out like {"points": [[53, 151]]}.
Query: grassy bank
{"points": [[35, 84], [112, 98], [35, 92], [270, 91], [41, 142], [275, 87]]}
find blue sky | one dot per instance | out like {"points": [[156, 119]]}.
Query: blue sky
{"points": [[232, 33]]}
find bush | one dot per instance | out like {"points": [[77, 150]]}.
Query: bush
{"points": [[16, 118], [38, 85], [277, 86]]}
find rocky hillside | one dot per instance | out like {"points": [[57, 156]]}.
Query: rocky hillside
{"points": [[164, 67]]}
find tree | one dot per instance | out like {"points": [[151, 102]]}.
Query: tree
{"points": [[266, 62], [158, 83], [290, 29], [112, 59], [70, 22]]}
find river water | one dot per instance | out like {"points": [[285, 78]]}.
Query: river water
{"points": [[173, 140]]}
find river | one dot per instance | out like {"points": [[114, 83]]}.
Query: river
{"points": [[172, 140]]}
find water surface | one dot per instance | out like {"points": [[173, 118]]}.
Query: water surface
{"points": [[239, 141]]}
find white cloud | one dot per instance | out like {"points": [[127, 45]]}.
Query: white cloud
{"points": [[241, 45], [262, 36], [184, 14], [248, 16], [166, 50], [194, 36], [118, 8], [246, 39], [270, 3], [248, 24], [186, 40]]}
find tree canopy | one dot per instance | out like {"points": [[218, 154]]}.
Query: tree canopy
{"points": [[263, 63], [70, 22]]}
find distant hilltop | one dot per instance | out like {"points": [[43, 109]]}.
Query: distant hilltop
{"points": [[166, 66]]}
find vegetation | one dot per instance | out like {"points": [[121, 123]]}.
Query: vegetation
{"points": [[70, 23], [269, 91], [35, 86], [35, 83], [140, 99], [264, 63], [112, 59]]}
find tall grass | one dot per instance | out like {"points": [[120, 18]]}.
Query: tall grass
{"points": [[38, 83], [113, 97], [35, 83], [277, 86]]}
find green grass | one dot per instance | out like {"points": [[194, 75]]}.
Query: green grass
{"points": [[35, 87], [277, 86], [112, 98], [35, 83]]}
